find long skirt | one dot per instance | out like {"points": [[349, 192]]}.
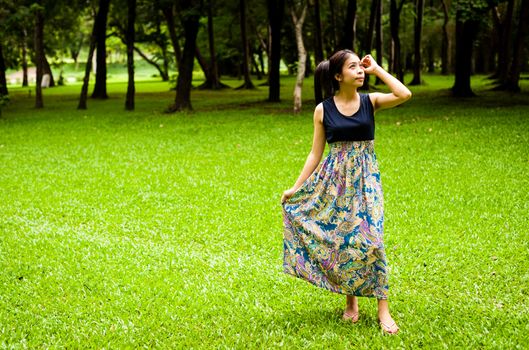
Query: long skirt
{"points": [[334, 224]]}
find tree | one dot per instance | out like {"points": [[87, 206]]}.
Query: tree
{"points": [[151, 31], [148, 30], [379, 47], [467, 25], [368, 43], [47, 70], [349, 28], [394, 19], [212, 78], [333, 40], [39, 51], [3, 80], [167, 9], [417, 61], [445, 61], [100, 87], [245, 48], [24, 57], [124, 28], [504, 32], [190, 12], [100, 17], [318, 41], [298, 19], [511, 83], [131, 18], [276, 9]]}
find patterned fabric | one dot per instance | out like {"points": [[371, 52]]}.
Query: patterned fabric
{"points": [[333, 224]]}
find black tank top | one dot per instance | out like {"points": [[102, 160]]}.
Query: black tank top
{"points": [[357, 127]]}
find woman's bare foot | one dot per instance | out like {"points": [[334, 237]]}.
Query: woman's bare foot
{"points": [[388, 325], [351, 310]]}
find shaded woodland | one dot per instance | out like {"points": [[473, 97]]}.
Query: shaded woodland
{"points": [[252, 39]]}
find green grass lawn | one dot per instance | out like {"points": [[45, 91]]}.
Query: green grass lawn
{"points": [[144, 229]]}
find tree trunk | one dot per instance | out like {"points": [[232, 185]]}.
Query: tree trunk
{"points": [[276, 9], [302, 55], [131, 18], [47, 70], [169, 18], [93, 41], [100, 87], [349, 29], [465, 34], [394, 19], [417, 59], [513, 78], [431, 59], [74, 52], [215, 81], [318, 41], [379, 39], [3, 80], [39, 55], [88, 69], [504, 34], [202, 63], [368, 44], [445, 44], [24, 58], [245, 48], [369, 39], [269, 53], [333, 41], [164, 74], [256, 65], [185, 69], [263, 47], [212, 79]]}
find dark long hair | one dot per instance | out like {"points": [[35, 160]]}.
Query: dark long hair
{"points": [[325, 83]]}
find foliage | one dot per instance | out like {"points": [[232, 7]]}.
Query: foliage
{"points": [[147, 230], [473, 9]]}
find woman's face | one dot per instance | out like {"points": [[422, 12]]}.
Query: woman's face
{"points": [[352, 72]]}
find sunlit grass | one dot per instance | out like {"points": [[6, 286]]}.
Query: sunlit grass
{"points": [[144, 229]]}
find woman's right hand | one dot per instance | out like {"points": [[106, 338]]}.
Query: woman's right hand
{"points": [[287, 194]]}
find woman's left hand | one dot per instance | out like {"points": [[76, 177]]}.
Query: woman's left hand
{"points": [[369, 64]]}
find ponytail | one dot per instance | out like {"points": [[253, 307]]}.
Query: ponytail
{"points": [[323, 87]]}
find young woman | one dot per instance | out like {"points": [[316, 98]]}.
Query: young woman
{"points": [[334, 213]]}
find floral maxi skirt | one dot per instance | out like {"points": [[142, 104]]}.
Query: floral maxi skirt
{"points": [[334, 224]]}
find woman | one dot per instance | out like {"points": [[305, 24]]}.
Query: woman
{"points": [[334, 214]]}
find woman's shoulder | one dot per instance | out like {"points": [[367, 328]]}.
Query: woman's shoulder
{"points": [[371, 96], [318, 112]]}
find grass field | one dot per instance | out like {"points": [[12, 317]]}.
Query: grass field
{"points": [[144, 229]]}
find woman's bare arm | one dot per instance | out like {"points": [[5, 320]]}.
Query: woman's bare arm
{"points": [[314, 157], [399, 92]]}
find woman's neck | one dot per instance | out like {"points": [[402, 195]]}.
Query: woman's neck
{"points": [[347, 94]]}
